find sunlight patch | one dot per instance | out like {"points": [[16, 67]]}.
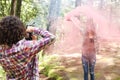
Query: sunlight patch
{"points": [[107, 61], [108, 77]]}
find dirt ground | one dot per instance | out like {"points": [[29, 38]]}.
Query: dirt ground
{"points": [[107, 65]]}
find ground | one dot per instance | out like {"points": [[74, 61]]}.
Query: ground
{"points": [[107, 65]]}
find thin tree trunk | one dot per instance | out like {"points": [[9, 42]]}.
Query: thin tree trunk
{"points": [[54, 11], [13, 7], [18, 8], [101, 4], [78, 3]]}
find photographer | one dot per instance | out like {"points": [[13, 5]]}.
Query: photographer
{"points": [[17, 53]]}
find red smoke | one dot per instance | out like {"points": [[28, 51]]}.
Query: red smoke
{"points": [[105, 29], [69, 30]]}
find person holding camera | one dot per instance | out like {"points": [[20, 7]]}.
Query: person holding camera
{"points": [[16, 53]]}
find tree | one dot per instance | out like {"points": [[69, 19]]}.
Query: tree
{"points": [[18, 8], [54, 11], [13, 7], [78, 3], [101, 4], [26, 8]]}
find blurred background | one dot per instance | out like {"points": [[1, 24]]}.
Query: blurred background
{"points": [[62, 61]]}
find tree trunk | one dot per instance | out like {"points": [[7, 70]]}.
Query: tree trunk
{"points": [[54, 11], [101, 4], [18, 8], [78, 3], [13, 7]]}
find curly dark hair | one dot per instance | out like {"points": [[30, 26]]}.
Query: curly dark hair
{"points": [[12, 30]]}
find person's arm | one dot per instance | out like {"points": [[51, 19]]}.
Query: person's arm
{"points": [[77, 24], [34, 46], [44, 34]]}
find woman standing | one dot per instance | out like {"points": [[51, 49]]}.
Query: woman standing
{"points": [[89, 50]]}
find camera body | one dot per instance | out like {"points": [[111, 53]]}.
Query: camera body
{"points": [[29, 36]]}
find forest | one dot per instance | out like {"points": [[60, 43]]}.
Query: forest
{"points": [[65, 19]]}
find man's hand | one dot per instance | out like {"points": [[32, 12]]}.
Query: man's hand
{"points": [[30, 29], [34, 37], [30, 35]]}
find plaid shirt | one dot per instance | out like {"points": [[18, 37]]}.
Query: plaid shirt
{"points": [[19, 61]]}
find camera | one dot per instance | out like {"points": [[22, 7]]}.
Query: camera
{"points": [[29, 34]]}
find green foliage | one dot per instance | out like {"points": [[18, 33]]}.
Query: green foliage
{"points": [[28, 9], [50, 67], [97, 75], [41, 18], [2, 74], [4, 8], [55, 73], [118, 78]]}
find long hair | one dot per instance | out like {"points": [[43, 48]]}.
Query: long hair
{"points": [[11, 30]]}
